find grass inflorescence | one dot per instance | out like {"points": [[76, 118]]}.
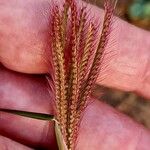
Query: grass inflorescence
{"points": [[76, 61]]}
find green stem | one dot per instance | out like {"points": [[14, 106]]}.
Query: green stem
{"points": [[33, 115], [41, 116], [60, 141]]}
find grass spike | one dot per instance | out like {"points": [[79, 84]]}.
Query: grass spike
{"points": [[60, 73], [97, 59], [73, 89], [74, 75]]}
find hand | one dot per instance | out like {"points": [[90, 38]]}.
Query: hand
{"points": [[23, 28]]}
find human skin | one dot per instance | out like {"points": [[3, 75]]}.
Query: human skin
{"points": [[23, 38]]}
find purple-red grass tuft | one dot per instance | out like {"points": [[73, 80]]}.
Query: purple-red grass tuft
{"points": [[76, 61]]}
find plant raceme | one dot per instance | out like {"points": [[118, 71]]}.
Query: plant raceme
{"points": [[76, 60]]}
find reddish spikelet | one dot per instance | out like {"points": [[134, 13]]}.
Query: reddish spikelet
{"points": [[81, 25], [98, 55], [87, 50], [64, 23], [75, 76], [60, 82]]}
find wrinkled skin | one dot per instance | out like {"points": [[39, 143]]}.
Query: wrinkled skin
{"points": [[23, 38]]}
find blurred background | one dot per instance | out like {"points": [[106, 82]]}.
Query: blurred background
{"points": [[136, 12]]}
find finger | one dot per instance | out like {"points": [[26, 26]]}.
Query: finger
{"points": [[23, 31], [23, 39], [101, 128], [31, 94], [129, 69], [31, 132], [6, 143]]}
